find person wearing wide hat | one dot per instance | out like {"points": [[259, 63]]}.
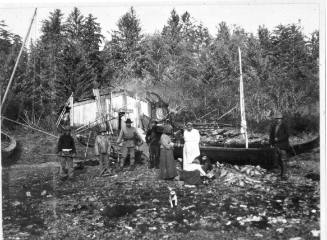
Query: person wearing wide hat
{"points": [[102, 149], [279, 139], [129, 137], [66, 150]]}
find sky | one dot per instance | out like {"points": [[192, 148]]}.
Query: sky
{"points": [[153, 15]]}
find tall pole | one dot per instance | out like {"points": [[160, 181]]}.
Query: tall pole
{"points": [[71, 103], [17, 60], [242, 104]]}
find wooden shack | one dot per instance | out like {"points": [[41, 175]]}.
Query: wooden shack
{"points": [[116, 105]]}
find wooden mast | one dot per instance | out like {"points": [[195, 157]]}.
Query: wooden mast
{"points": [[17, 61], [242, 104]]}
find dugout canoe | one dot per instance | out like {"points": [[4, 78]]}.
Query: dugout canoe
{"points": [[8, 146], [305, 147], [240, 156], [263, 156]]}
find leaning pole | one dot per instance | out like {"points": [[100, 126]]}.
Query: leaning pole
{"points": [[17, 60]]}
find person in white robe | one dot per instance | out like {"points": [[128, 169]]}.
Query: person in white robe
{"points": [[191, 149]]}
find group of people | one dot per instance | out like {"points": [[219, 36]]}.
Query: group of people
{"points": [[161, 149], [128, 139], [162, 155]]}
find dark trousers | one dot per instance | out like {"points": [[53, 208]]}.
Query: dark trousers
{"points": [[104, 161], [125, 151], [66, 164], [154, 155], [282, 159]]}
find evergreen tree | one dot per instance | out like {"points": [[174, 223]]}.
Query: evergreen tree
{"points": [[123, 51], [92, 37], [74, 26], [51, 47]]}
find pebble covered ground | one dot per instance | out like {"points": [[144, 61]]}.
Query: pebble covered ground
{"points": [[134, 205], [242, 202]]}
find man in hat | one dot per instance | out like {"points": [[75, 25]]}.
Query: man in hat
{"points": [[129, 136], [102, 149], [279, 138], [66, 150], [153, 139]]}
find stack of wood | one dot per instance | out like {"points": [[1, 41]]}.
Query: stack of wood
{"points": [[226, 135]]}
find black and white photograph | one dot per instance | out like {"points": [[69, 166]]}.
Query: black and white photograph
{"points": [[163, 120]]}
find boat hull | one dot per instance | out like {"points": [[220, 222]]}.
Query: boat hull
{"points": [[265, 157], [8, 151]]}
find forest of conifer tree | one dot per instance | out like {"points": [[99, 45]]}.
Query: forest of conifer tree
{"points": [[183, 63]]}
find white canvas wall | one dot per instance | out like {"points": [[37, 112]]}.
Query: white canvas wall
{"points": [[85, 112]]}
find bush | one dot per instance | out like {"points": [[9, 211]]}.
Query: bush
{"points": [[12, 110], [300, 123]]}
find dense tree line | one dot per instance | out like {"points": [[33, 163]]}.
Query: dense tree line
{"points": [[183, 63]]}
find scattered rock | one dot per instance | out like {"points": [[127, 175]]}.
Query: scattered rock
{"points": [[29, 227], [128, 227], [315, 233], [16, 203], [280, 230], [152, 228]]}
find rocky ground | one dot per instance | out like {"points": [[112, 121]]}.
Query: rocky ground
{"points": [[242, 202]]}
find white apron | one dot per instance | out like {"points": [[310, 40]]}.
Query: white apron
{"points": [[191, 149]]}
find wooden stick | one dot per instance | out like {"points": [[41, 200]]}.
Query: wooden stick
{"points": [[226, 113], [29, 127], [208, 113], [54, 154], [87, 145], [79, 130], [17, 61], [63, 111]]}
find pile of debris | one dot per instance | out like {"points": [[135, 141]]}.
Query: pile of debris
{"points": [[240, 176], [216, 135]]}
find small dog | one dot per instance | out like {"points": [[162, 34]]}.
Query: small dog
{"points": [[172, 197]]}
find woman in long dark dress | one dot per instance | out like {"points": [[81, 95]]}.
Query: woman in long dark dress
{"points": [[167, 162]]}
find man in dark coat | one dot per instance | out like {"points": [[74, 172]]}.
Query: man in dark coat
{"points": [[153, 139], [279, 138], [66, 150]]}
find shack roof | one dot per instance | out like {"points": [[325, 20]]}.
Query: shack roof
{"points": [[116, 92]]}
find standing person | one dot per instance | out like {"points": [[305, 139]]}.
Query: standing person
{"points": [[279, 138], [66, 150], [129, 136], [191, 149], [167, 162], [153, 139], [102, 149], [170, 126]]}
